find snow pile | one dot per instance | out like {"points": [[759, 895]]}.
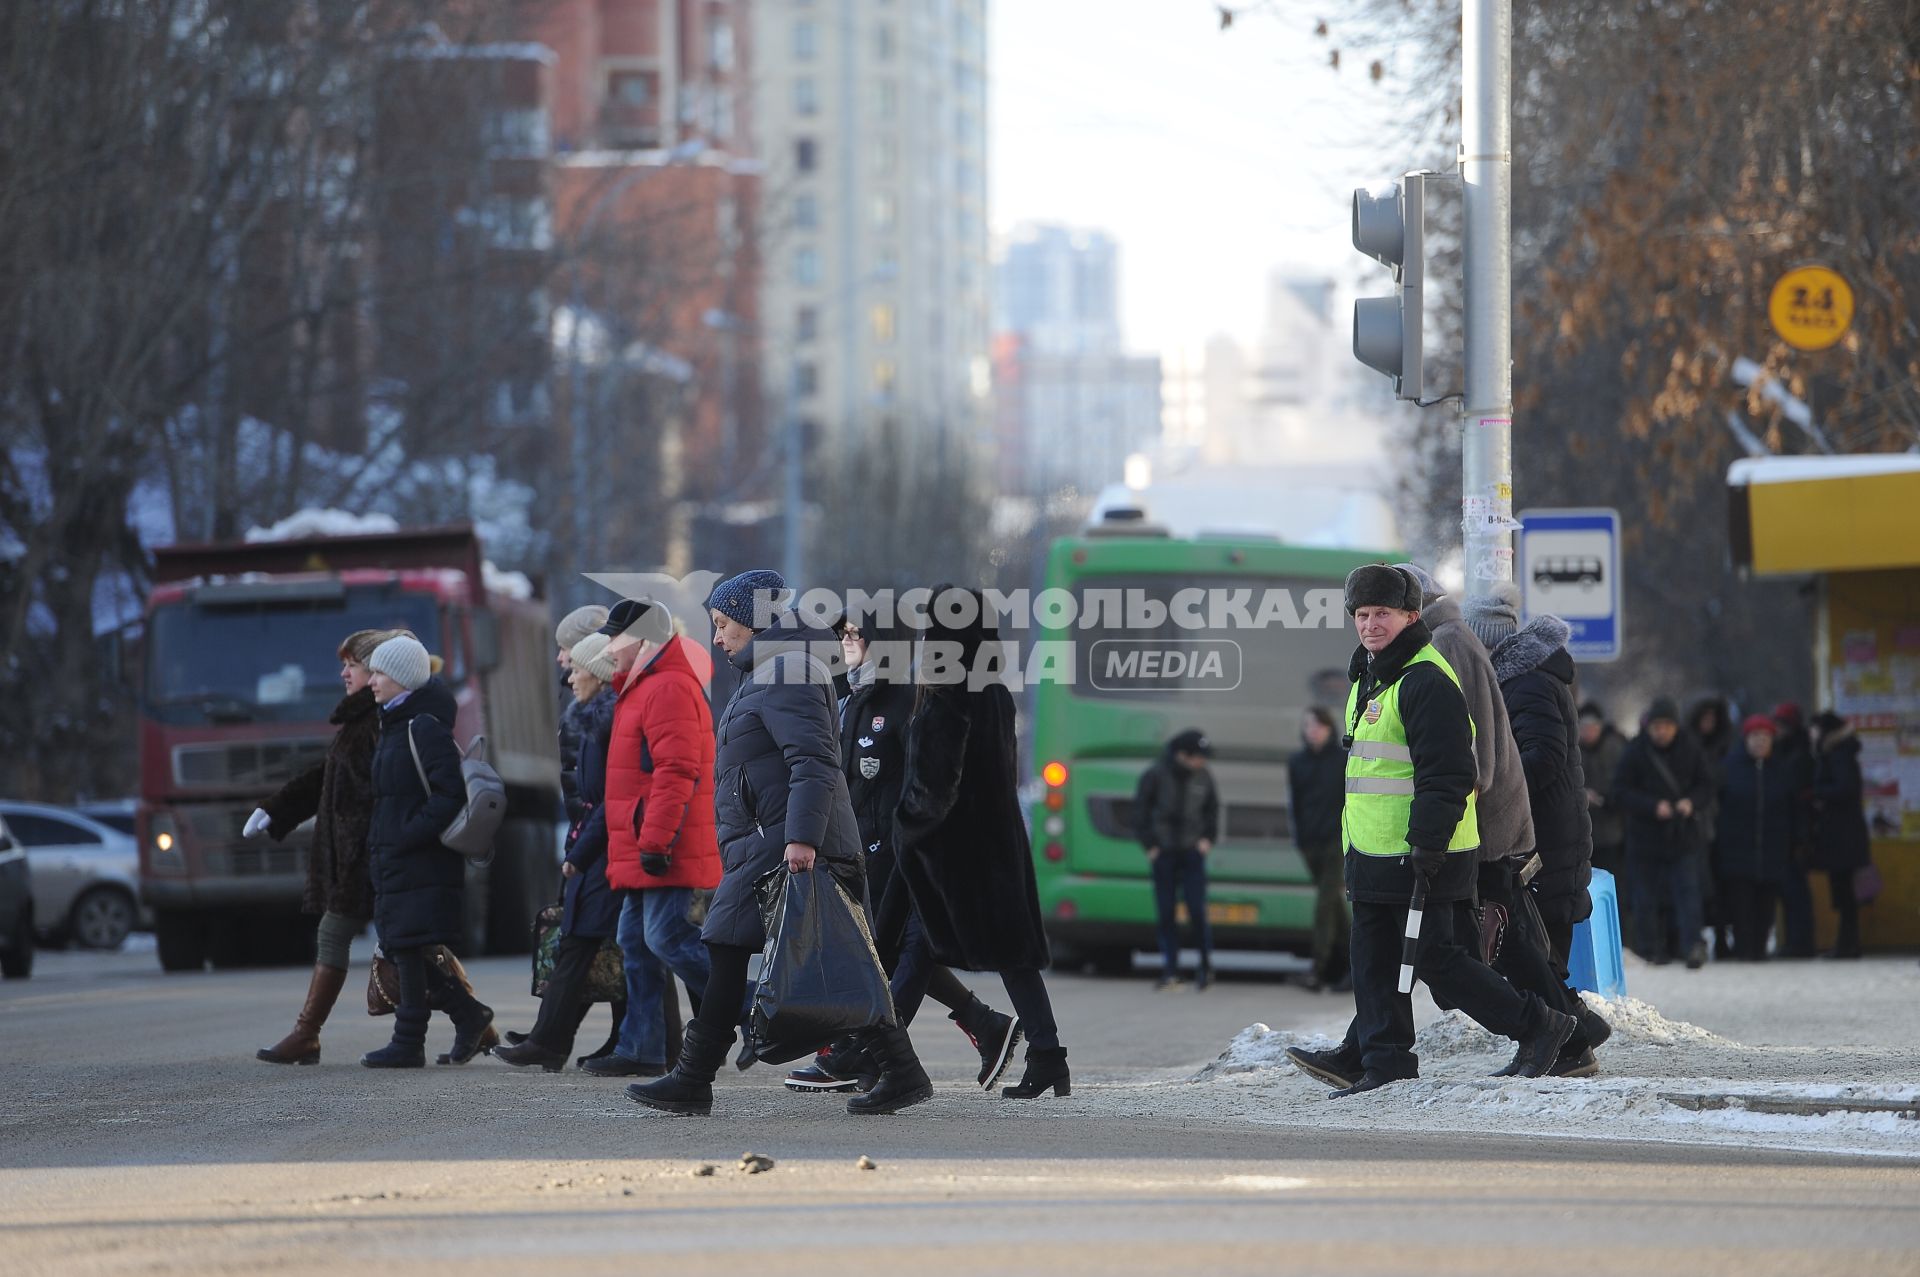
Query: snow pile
{"points": [[324, 523], [514, 585], [1258, 1047], [1635, 1022]]}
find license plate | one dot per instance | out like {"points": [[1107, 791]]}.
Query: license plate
{"points": [[1223, 914]]}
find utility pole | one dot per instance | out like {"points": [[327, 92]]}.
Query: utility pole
{"points": [[1486, 171]]}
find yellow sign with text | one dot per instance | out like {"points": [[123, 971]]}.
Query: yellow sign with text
{"points": [[1811, 307]]}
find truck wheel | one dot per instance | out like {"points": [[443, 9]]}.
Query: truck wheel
{"points": [[1111, 960], [101, 918], [181, 938], [16, 962], [521, 884], [230, 943]]}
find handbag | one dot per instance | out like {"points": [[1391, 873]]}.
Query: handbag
{"points": [[383, 981], [606, 978], [1867, 883]]}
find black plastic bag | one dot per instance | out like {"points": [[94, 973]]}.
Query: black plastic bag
{"points": [[820, 976]]}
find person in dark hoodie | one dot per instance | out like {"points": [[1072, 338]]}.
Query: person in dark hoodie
{"points": [[419, 885], [873, 752], [780, 799], [1601, 746], [1662, 783], [1838, 837], [1712, 729], [1316, 790], [1176, 813], [1795, 749], [1536, 680], [1410, 817], [1759, 819], [964, 853]]}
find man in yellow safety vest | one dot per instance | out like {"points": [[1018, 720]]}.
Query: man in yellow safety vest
{"points": [[1410, 815]]}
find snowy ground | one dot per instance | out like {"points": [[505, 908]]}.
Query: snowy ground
{"points": [[1705, 1057]]}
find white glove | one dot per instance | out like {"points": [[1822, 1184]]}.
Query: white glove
{"points": [[256, 824]]}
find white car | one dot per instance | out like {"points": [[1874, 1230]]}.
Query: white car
{"points": [[85, 874]]}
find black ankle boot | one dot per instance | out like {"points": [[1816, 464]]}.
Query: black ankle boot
{"points": [[993, 1035], [688, 1090], [473, 1032], [408, 1049], [903, 1083], [1046, 1071]]}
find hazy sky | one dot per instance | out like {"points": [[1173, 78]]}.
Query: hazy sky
{"points": [[1211, 156]]}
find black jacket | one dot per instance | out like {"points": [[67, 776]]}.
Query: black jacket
{"points": [[1837, 815], [777, 776], [570, 753], [1714, 748], [1536, 682], [1440, 738], [1640, 785], [337, 793], [1600, 762], [1757, 818], [591, 909], [1174, 806], [1316, 790], [419, 885], [873, 747], [964, 853]]}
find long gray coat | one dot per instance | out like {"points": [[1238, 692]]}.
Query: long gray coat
{"points": [[778, 778], [1506, 817]]}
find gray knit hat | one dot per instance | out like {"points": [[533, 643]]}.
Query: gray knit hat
{"points": [[1493, 617], [403, 660], [590, 654], [579, 623]]}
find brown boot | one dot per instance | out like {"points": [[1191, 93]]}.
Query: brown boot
{"points": [[302, 1046]]}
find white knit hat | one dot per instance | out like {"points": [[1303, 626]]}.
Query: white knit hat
{"points": [[590, 654], [404, 660]]}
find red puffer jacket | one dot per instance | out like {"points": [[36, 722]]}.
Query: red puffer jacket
{"points": [[660, 777]]}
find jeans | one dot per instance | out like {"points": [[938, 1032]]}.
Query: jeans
{"points": [[1183, 873], [1660, 883], [654, 932], [1383, 1016], [916, 976]]}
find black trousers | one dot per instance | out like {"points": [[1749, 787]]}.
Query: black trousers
{"points": [[1526, 956], [1750, 907], [564, 1005], [1847, 905], [1382, 1028]]}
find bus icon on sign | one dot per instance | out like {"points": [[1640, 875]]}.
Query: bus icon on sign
{"points": [[1580, 570]]}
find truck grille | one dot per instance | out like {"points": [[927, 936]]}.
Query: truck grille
{"points": [[248, 765]]}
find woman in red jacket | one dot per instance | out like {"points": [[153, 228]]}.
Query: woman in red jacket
{"points": [[662, 857]]}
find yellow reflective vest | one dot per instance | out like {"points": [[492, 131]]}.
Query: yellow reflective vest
{"points": [[1379, 800]]}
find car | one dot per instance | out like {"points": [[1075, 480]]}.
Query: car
{"points": [[114, 813], [16, 908], [86, 875]]}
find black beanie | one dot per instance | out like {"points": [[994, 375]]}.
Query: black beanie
{"points": [[1377, 585], [1664, 707]]}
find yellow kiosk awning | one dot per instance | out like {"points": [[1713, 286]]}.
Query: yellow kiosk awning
{"points": [[1799, 515]]}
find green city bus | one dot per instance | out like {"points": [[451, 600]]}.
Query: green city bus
{"points": [[1131, 689]]}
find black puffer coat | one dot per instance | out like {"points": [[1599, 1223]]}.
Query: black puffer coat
{"points": [[777, 776], [570, 727], [964, 851], [1317, 790], [1838, 836], [337, 794], [419, 885], [1536, 681], [590, 909], [1648, 776], [1758, 817]]}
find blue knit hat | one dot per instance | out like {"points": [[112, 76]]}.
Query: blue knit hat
{"points": [[736, 597]]}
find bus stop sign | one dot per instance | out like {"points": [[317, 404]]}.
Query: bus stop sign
{"points": [[1568, 564]]}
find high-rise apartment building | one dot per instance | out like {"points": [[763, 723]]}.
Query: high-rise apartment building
{"points": [[873, 139]]}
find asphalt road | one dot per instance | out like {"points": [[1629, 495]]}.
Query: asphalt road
{"points": [[138, 1135]]}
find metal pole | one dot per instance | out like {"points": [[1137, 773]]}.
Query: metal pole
{"points": [[582, 451], [1486, 170]]}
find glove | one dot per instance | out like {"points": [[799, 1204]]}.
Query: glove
{"points": [[655, 864], [256, 824], [1427, 863]]}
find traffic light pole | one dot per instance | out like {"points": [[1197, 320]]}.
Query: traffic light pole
{"points": [[1486, 170]]}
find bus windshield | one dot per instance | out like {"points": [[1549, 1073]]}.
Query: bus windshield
{"points": [[266, 661]]}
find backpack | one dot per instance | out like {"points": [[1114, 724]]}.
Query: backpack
{"points": [[472, 830]]}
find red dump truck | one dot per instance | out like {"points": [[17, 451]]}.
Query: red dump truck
{"points": [[238, 678]]}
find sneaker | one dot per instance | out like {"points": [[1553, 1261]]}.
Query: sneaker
{"points": [[814, 1080], [1167, 982], [1203, 980]]}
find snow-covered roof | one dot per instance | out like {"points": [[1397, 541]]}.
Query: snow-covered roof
{"points": [[514, 585], [1752, 470], [324, 523]]}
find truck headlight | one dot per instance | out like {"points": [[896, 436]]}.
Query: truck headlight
{"points": [[165, 855]]}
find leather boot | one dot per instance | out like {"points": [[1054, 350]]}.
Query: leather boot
{"points": [[473, 1032], [302, 1046], [1541, 1046], [408, 1050], [1046, 1071], [903, 1083], [688, 1090], [993, 1035]]}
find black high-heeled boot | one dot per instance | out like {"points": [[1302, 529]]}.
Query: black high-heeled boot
{"points": [[1046, 1071]]}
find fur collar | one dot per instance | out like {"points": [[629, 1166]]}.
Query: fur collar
{"points": [[1529, 648]]}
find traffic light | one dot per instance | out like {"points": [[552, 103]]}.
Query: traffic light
{"points": [[1389, 225]]}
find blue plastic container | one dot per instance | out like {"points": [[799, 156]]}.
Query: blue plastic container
{"points": [[1595, 963]]}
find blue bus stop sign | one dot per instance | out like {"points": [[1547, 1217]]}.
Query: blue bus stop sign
{"points": [[1567, 562]]}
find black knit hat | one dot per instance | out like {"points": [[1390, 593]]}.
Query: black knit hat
{"points": [[1191, 741], [1664, 707], [1377, 585]]}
